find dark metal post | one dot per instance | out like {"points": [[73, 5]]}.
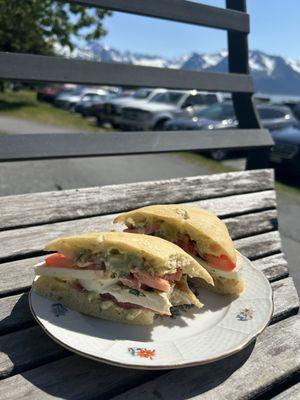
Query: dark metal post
{"points": [[238, 61]]}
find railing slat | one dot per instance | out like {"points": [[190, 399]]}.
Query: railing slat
{"points": [[176, 10], [34, 68], [46, 146]]}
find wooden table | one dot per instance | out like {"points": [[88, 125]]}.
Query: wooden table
{"points": [[32, 366]]}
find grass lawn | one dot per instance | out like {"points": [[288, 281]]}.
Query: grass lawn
{"points": [[23, 104], [217, 167]]}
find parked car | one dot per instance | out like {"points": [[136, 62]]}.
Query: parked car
{"points": [[68, 100], [296, 110], [111, 111], [162, 107], [222, 116], [48, 93], [285, 155], [86, 106]]}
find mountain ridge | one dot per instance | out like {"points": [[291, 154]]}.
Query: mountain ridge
{"points": [[272, 74]]}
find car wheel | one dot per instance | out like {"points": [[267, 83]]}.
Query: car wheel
{"points": [[218, 154], [160, 125]]}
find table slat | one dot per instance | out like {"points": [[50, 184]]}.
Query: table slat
{"points": [[246, 375], [26, 241], [258, 246], [40, 208], [275, 267], [27, 349], [77, 378], [292, 393]]}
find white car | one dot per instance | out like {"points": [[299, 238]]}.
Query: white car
{"points": [[162, 107], [111, 111], [68, 100]]}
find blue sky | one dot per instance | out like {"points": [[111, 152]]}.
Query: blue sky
{"points": [[275, 29]]}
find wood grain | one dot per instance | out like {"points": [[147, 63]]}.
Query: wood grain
{"points": [[245, 375], [27, 349], [275, 267], [41, 208], [276, 352], [292, 393], [25, 241], [286, 300], [15, 313], [258, 246]]}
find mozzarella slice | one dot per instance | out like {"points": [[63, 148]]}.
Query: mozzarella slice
{"points": [[155, 301], [69, 273], [234, 274]]}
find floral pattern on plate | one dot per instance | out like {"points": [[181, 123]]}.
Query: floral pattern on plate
{"points": [[245, 314], [142, 352]]}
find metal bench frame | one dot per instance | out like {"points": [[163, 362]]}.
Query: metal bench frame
{"points": [[233, 19]]}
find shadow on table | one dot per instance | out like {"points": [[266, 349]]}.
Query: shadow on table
{"points": [[48, 367]]}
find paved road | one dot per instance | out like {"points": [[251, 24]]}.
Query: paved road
{"points": [[17, 125], [37, 176]]}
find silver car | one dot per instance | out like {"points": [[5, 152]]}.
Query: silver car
{"points": [[111, 111], [162, 107]]}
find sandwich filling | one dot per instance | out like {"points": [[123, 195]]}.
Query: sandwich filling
{"points": [[218, 265], [121, 278]]}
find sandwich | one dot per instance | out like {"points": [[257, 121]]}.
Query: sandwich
{"points": [[199, 232], [118, 276]]}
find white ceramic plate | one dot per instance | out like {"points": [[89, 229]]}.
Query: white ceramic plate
{"points": [[222, 327]]}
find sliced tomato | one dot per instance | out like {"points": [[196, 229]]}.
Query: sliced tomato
{"points": [[153, 281], [222, 262], [59, 260]]}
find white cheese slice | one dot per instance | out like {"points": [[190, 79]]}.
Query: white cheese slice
{"points": [[69, 273], [155, 301], [214, 272]]}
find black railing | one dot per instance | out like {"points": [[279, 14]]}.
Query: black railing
{"points": [[234, 19]]}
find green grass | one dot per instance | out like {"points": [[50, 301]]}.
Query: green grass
{"points": [[217, 167], [23, 104], [212, 165]]}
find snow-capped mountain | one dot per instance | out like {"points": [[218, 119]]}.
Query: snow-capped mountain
{"points": [[272, 74]]}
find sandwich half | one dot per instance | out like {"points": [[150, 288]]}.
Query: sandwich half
{"points": [[199, 232], [118, 276]]}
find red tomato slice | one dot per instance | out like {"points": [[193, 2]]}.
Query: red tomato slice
{"points": [[221, 262], [59, 260]]}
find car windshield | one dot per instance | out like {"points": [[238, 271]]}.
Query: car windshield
{"points": [[141, 94], [167, 97], [217, 112]]}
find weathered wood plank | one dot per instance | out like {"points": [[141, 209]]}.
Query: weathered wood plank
{"points": [[40, 208], [292, 393], [25, 241], [27, 349], [274, 359], [275, 267], [260, 245], [180, 11], [250, 373], [73, 378], [15, 313], [286, 300]]}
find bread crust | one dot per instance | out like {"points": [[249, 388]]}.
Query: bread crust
{"points": [[201, 225], [161, 254], [62, 292]]}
